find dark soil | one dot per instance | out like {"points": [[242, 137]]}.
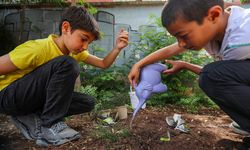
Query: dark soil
{"points": [[208, 130]]}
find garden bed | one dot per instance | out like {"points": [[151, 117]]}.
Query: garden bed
{"points": [[208, 130]]}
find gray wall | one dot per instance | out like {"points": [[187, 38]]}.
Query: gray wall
{"points": [[133, 15]]}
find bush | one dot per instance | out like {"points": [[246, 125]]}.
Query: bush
{"points": [[182, 87]]}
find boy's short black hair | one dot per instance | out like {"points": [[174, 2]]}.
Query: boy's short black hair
{"points": [[79, 18], [189, 10]]}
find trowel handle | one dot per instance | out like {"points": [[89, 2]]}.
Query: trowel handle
{"points": [[131, 88]]}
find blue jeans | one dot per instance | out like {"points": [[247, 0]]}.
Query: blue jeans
{"points": [[227, 83], [47, 91]]}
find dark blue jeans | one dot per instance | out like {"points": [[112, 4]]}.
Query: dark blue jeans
{"points": [[227, 83], [47, 91]]}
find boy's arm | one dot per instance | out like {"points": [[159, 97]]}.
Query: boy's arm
{"points": [[158, 55], [121, 42], [6, 65], [179, 65]]}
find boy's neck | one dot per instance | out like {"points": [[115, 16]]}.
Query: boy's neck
{"points": [[60, 44], [222, 28]]}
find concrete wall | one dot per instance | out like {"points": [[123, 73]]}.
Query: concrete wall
{"points": [[133, 15]]}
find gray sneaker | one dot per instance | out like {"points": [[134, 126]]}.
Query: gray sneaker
{"points": [[29, 125], [57, 134], [237, 129]]}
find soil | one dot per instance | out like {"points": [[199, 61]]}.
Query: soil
{"points": [[208, 130]]}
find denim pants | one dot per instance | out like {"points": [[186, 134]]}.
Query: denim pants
{"points": [[227, 83], [48, 92]]}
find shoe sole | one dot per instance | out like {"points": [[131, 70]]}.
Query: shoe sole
{"points": [[45, 143], [238, 131], [22, 128]]}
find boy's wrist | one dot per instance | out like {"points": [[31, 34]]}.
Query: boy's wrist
{"points": [[137, 66], [116, 49], [185, 65]]}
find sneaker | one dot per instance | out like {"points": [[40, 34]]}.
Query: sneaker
{"points": [[237, 129], [29, 125], [57, 134]]}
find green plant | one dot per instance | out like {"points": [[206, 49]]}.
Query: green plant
{"points": [[89, 90], [111, 99], [195, 101], [91, 9], [244, 1], [113, 78]]}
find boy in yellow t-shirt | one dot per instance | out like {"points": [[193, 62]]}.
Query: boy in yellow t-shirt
{"points": [[37, 78]]}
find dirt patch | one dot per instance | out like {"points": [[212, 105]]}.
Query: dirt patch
{"points": [[208, 130]]}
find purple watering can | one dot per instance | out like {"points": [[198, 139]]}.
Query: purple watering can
{"points": [[150, 82]]}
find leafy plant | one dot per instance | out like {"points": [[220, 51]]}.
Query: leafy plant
{"points": [[91, 9], [244, 1], [89, 90]]}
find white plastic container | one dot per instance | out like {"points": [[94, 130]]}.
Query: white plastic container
{"points": [[134, 99]]}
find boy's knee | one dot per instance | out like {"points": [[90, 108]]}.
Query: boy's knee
{"points": [[202, 81], [87, 102], [91, 103], [207, 78], [70, 63]]}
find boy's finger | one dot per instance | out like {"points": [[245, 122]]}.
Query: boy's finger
{"points": [[130, 81], [134, 82], [123, 36], [168, 61], [124, 40], [122, 29], [168, 71]]}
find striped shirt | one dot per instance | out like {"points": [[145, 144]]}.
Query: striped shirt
{"points": [[236, 41]]}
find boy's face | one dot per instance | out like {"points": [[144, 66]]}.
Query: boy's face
{"points": [[77, 41], [190, 34]]}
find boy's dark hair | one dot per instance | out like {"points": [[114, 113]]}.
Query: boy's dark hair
{"points": [[189, 10], [79, 18]]}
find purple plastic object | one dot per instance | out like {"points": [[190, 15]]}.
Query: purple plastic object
{"points": [[150, 82]]}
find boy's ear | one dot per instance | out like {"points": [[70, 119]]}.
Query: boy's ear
{"points": [[65, 27], [214, 13]]}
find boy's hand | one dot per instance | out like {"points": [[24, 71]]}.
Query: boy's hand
{"points": [[134, 74], [177, 66], [122, 40]]}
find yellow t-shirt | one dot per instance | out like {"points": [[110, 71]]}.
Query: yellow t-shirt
{"points": [[32, 54]]}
